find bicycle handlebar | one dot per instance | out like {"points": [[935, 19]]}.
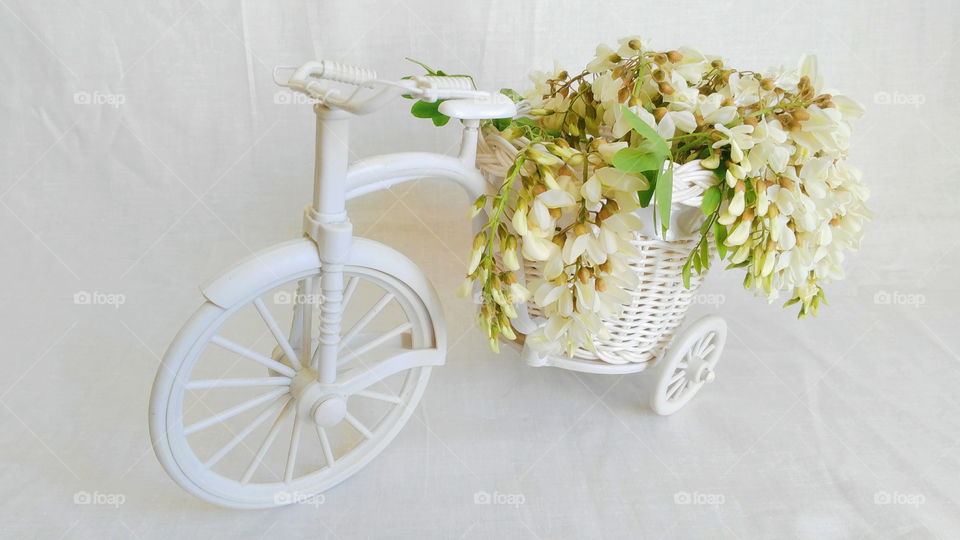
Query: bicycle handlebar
{"points": [[427, 88]]}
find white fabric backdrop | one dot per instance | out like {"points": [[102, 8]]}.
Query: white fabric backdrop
{"points": [[144, 149]]}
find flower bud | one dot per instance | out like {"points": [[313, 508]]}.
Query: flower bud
{"points": [[737, 203], [635, 44], [800, 115], [659, 75], [600, 285], [711, 162], [767, 84], [659, 113], [549, 179], [465, 288], [580, 229], [509, 254], [584, 275], [666, 88], [541, 112], [478, 206], [674, 56]]}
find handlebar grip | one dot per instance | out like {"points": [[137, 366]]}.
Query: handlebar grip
{"points": [[448, 83], [345, 73]]}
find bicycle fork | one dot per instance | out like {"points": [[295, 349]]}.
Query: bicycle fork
{"points": [[326, 222]]}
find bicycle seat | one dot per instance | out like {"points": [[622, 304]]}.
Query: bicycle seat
{"points": [[479, 108]]}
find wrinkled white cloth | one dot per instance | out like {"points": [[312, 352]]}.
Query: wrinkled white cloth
{"points": [[145, 147]]}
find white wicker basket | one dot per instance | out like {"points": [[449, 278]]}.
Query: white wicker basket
{"points": [[659, 303]]}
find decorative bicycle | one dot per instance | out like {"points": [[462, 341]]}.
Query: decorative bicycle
{"points": [[352, 327]]}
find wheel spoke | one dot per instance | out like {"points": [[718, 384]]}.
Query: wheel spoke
{"points": [[245, 433], [294, 447], [677, 375], [306, 339], [365, 320], [265, 445], [277, 333], [233, 411], [251, 355], [676, 390], [325, 444], [357, 425], [348, 291], [238, 383], [378, 396], [373, 344]]}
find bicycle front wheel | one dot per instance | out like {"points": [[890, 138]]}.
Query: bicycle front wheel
{"points": [[236, 415]]}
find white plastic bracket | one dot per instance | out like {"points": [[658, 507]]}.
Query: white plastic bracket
{"points": [[333, 238]]}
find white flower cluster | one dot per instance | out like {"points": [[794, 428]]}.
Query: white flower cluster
{"points": [[792, 205], [599, 145]]}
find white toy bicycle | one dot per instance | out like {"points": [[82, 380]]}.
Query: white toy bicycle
{"points": [[350, 327]]}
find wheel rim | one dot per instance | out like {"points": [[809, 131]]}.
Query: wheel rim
{"points": [[689, 363], [272, 426]]}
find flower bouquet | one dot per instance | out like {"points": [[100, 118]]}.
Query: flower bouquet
{"points": [[617, 186]]}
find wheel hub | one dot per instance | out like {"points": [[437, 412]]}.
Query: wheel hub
{"points": [[315, 402], [699, 370]]}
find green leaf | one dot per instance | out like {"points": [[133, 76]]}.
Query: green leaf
{"points": [[685, 273], [664, 195], [646, 131], [425, 67], [719, 236], [501, 123], [634, 160], [512, 94], [705, 252], [711, 200], [422, 109], [647, 194]]}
